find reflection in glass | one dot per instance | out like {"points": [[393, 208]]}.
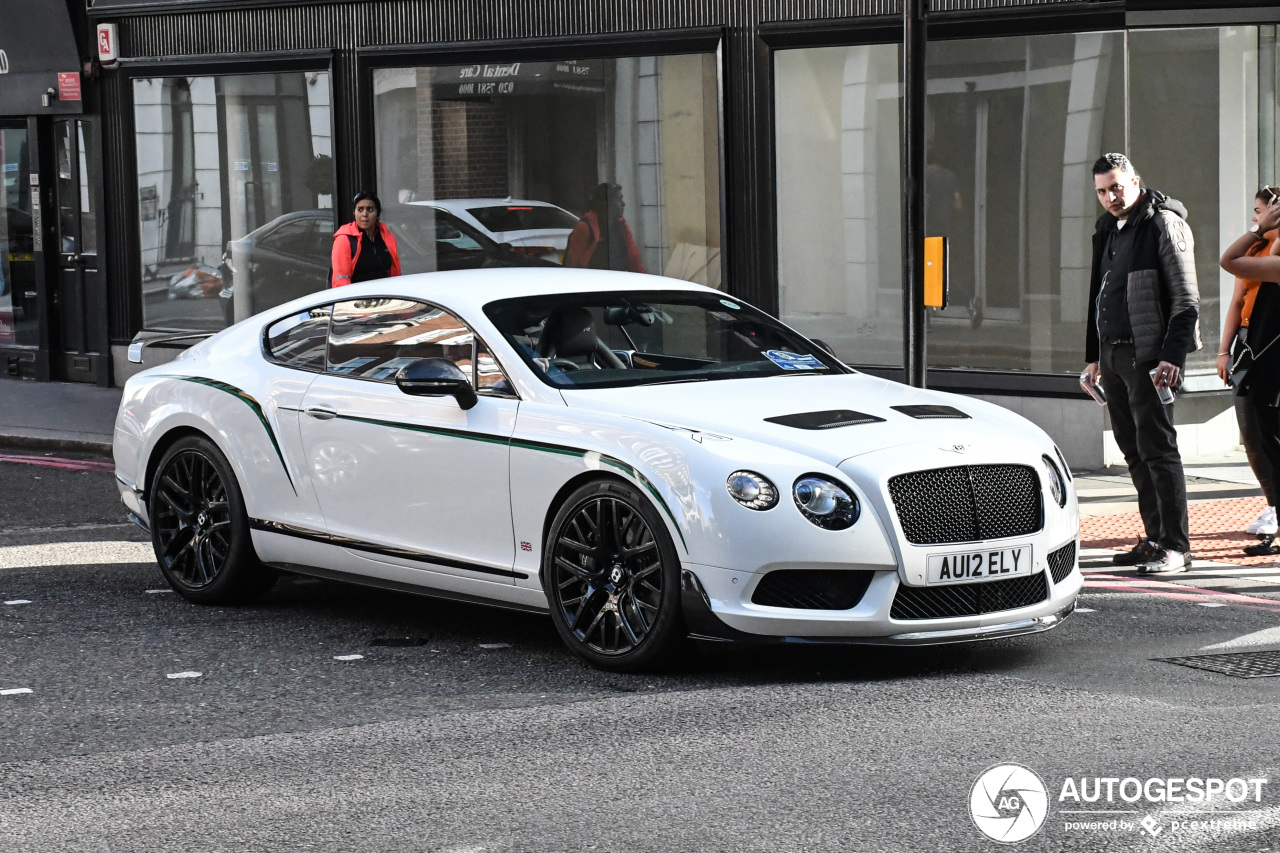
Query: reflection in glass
{"points": [[508, 148], [235, 193], [17, 242], [839, 207]]}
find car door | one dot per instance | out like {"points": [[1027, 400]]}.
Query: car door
{"points": [[414, 481]]}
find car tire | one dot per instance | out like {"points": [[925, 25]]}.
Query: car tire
{"points": [[612, 578], [199, 527]]}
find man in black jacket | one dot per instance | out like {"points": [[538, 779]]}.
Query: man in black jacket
{"points": [[1143, 312]]}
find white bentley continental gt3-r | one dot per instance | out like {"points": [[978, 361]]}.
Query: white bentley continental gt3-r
{"points": [[645, 459]]}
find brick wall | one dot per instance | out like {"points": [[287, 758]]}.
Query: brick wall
{"points": [[470, 142]]}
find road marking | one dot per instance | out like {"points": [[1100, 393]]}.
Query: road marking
{"points": [[158, 591], [348, 657], [191, 673], [15, 691], [1211, 604], [58, 462], [495, 645], [1085, 610], [1165, 589], [97, 553], [19, 601]]}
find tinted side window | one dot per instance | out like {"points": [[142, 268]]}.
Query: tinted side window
{"points": [[299, 340], [374, 338]]}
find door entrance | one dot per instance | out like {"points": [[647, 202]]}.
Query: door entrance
{"points": [[78, 344]]}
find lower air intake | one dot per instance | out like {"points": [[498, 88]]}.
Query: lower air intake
{"points": [[968, 599], [1062, 562], [812, 589]]}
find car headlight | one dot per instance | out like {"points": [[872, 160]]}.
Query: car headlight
{"points": [[825, 503], [1056, 487], [1066, 469], [752, 490]]}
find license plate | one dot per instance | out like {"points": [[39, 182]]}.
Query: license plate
{"points": [[979, 565]]}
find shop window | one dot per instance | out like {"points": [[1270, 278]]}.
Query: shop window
{"points": [[17, 243], [518, 153], [1013, 126], [839, 198], [235, 190]]}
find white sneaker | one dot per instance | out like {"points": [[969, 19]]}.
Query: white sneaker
{"points": [[1265, 524]]}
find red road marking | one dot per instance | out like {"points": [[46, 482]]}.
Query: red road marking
{"points": [[58, 462], [1164, 589]]}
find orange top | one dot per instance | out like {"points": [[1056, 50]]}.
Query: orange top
{"points": [[1251, 287]]}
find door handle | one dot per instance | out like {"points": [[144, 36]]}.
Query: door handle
{"points": [[322, 414]]}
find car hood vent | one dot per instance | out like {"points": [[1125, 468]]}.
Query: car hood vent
{"points": [[825, 420], [924, 413]]}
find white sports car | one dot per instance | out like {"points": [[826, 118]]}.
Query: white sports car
{"points": [[642, 458]]}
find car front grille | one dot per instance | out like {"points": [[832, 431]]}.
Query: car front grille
{"points": [[967, 503], [812, 589], [968, 599], [1062, 562]]}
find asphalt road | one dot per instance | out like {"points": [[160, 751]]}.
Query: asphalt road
{"points": [[467, 729]]}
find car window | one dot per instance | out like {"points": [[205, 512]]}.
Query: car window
{"points": [[292, 238], [299, 340], [374, 338], [518, 217], [450, 236], [431, 239], [320, 237], [616, 339]]}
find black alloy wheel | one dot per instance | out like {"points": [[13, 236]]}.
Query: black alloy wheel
{"points": [[612, 577], [199, 527]]}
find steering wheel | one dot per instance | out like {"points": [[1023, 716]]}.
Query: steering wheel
{"points": [[565, 364]]}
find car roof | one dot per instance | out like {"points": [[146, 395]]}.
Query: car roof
{"points": [[470, 290], [485, 202]]}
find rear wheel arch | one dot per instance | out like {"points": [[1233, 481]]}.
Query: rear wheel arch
{"points": [[162, 446]]}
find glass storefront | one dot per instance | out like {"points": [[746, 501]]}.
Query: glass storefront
{"points": [[18, 321], [522, 152], [840, 198], [235, 194], [1013, 127]]}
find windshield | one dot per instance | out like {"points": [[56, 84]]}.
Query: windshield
{"points": [[619, 339]]}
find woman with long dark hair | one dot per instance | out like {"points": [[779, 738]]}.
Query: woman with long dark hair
{"points": [[364, 249]]}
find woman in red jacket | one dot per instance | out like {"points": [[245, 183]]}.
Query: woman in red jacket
{"points": [[602, 240], [365, 249]]}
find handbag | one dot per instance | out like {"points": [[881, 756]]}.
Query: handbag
{"points": [[1241, 359]]}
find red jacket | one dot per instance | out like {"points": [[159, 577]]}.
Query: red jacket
{"points": [[342, 261], [585, 237]]}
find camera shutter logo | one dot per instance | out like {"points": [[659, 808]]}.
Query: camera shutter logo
{"points": [[1008, 803]]}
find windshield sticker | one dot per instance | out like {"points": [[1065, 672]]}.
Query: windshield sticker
{"points": [[726, 303], [793, 361]]}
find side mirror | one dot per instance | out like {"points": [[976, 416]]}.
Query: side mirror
{"points": [[436, 377]]}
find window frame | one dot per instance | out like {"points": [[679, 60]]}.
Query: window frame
{"points": [[477, 343]]}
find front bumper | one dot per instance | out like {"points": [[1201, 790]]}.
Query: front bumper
{"points": [[709, 616], [132, 498]]}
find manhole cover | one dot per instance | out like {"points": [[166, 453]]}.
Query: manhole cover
{"points": [[400, 642], [1237, 664]]}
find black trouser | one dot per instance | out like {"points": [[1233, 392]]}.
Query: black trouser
{"points": [[1252, 438], [1267, 420], [1143, 428]]}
